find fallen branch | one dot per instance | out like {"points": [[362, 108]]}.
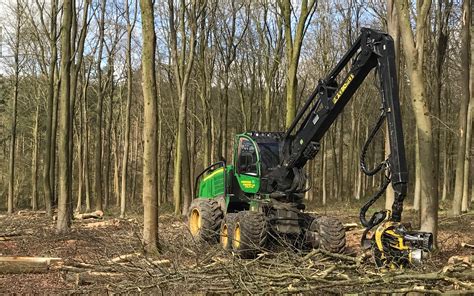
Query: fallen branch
{"points": [[124, 257], [356, 260], [404, 291], [26, 264], [16, 233], [466, 245]]}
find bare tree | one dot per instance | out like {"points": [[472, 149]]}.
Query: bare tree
{"points": [[183, 60], [64, 197], [293, 43], [414, 52], [126, 140], [49, 145], [100, 105], [15, 40], [463, 112], [150, 199]]}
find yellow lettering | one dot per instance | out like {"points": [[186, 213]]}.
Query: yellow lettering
{"points": [[343, 88]]}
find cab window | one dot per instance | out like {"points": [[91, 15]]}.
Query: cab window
{"points": [[247, 157]]}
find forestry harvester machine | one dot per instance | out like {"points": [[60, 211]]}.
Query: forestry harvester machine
{"points": [[259, 197]]}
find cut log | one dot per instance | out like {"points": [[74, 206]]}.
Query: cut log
{"points": [[30, 212], [26, 264], [91, 277], [126, 257], [112, 222], [461, 259], [93, 215], [163, 262], [349, 226]]}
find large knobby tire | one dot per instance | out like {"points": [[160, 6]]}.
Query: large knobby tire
{"points": [[332, 234], [204, 218], [250, 234], [227, 230]]}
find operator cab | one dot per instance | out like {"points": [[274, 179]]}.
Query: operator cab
{"points": [[256, 155]]}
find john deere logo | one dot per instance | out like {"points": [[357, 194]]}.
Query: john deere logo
{"points": [[248, 184]]}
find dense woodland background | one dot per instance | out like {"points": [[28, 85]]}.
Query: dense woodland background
{"points": [[74, 75]]}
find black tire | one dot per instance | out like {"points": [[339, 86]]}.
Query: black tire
{"points": [[331, 232], [204, 219], [249, 234], [227, 230]]}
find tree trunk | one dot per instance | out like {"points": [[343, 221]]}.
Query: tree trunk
{"points": [[64, 198], [53, 156], [100, 103], [183, 66], [34, 165], [116, 166], [150, 202], [414, 51], [467, 162], [16, 56], [294, 42], [126, 140], [48, 195], [108, 130], [460, 160], [418, 172]]}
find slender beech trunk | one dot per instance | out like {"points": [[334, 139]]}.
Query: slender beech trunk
{"points": [[126, 139], [183, 65], [54, 135], [16, 57], [64, 198], [34, 165], [414, 51], [445, 166], [467, 163], [116, 166], [135, 160], [86, 144], [294, 41], [418, 172], [100, 104], [108, 130], [48, 194], [463, 112], [150, 202], [471, 104]]}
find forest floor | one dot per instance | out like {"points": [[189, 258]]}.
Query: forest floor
{"points": [[91, 263]]}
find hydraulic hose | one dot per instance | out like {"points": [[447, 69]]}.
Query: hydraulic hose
{"points": [[377, 217], [363, 165], [370, 202]]}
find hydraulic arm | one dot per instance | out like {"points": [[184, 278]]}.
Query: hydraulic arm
{"points": [[371, 50]]}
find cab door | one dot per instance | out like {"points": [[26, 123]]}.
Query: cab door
{"points": [[247, 164]]}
